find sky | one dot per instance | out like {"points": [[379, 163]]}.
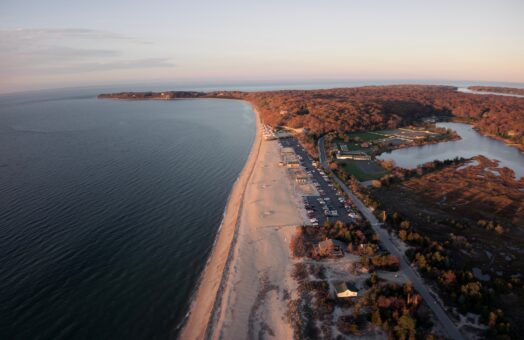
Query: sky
{"points": [[59, 43]]}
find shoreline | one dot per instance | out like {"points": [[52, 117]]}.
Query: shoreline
{"points": [[519, 147], [506, 141], [258, 285], [207, 297]]}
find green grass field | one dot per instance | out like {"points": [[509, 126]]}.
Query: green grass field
{"points": [[362, 170], [353, 146], [366, 136]]}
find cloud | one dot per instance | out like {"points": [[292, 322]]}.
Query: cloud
{"points": [[25, 35], [71, 50], [148, 63]]}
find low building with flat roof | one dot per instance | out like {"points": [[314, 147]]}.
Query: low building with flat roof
{"points": [[354, 155], [287, 150], [299, 175]]}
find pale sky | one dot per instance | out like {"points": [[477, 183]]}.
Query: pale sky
{"points": [[59, 43]]}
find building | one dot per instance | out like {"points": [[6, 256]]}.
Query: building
{"points": [[166, 95], [283, 134], [345, 290], [299, 175], [354, 155], [343, 152], [287, 151], [291, 160], [291, 163], [269, 132]]}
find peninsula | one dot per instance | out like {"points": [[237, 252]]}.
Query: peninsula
{"points": [[494, 89]]}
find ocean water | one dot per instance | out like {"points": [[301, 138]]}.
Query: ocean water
{"points": [[109, 209]]}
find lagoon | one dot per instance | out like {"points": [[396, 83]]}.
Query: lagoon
{"points": [[471, 144]]}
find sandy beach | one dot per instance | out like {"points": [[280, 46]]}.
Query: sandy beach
{"points": [[243, 290]]}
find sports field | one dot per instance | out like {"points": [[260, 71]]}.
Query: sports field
{"points": [[362, 170]]}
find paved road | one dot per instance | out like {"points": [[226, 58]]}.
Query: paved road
{"points": [[386, 241]]}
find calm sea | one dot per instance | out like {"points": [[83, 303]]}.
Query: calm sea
{"points": [[109, 209]]}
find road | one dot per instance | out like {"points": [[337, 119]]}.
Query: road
{"points": [[451, 329]]}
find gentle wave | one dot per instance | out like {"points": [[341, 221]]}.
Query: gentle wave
{"points": [[108, 218]]}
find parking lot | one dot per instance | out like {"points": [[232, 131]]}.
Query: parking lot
{"points": [[330, 204]]}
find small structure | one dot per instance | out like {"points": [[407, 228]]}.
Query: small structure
{"points": [[166, 95], [287, 151], [345, 290], [283, 134], [269, 132], [353, 155], [330, 247], [292, 161], [299, 175]]}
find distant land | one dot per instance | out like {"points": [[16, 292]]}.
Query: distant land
{"points": [[342, 110], [152, 95], [505, 90]]}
